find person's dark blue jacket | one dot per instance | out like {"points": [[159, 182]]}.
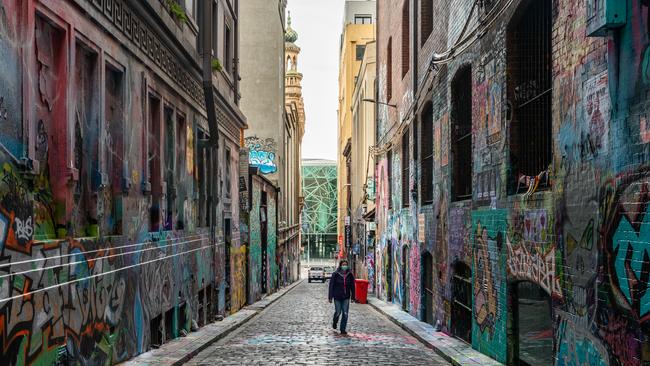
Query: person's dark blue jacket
{"points": [[341, 285]]}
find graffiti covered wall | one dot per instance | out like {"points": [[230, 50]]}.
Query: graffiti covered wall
{"points": [[576, 232], [106, 248]]}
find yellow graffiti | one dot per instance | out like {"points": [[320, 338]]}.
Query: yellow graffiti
{"points": [[189, 152]]}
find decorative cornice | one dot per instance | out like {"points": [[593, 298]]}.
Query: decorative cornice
{"points": [[133, 26]]}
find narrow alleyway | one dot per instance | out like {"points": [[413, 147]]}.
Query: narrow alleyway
{"points": [[297, 330]]}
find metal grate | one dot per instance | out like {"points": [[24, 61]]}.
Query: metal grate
{"points": [[462, 302], [461, 121], [530, 88]]}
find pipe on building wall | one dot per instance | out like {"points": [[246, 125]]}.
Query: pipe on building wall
{"points": [[205, 29]]}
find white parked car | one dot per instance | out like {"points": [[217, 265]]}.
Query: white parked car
{"points": [[316, 274], [328, 271]]}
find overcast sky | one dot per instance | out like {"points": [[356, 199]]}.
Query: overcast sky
{"points": [[319, 24]]}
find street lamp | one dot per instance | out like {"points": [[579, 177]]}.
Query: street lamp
{"points": [[376, 102]]}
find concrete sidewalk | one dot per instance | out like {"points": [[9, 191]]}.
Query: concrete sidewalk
{"points": [[453, 350], [182, 349]]}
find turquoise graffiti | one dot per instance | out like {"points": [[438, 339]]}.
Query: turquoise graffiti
{"points": [[489, 282], [577, 348], [272, 240], [262, 154], [630, 246]]}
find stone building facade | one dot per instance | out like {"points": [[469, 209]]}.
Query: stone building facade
{"points": [[113, 198], [512, 175]]}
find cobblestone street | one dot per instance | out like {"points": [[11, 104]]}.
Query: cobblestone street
{"points": [[297, 330]]}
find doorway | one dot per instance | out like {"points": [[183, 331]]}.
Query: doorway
{"points": [[461, 306], [389, 272], [405, 278], [532, 315], [427, 285], [228, 241], [264, 237]]}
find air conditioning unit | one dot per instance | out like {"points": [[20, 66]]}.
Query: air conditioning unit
{"points": [[605, 15]]}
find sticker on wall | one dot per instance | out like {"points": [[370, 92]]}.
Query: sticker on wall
{"points": [[262, 154]]}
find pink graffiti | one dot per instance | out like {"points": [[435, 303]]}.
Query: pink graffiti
{"points": [[414, 277]]}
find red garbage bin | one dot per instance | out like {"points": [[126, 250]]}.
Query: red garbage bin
{"points": [[361, 291]]}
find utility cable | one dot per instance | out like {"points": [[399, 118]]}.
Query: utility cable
{"points": [[98, 275], [93, 259], [2, 265]]}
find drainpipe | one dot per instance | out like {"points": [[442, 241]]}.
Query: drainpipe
{"points": [[207, 74], [415, 46], [213, 141]]}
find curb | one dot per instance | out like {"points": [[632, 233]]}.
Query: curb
{"points": [[464, 360], [254, 309], [216, 338], [236, 326]]}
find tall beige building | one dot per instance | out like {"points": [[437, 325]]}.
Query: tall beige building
{"points": [[272, 102], [358, 30], [362, 163]]}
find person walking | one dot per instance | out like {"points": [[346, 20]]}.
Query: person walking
{"points": [[341, 290]]}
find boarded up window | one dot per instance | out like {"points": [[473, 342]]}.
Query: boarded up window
{"points": [[86, 141], [154, 161], [114, 148]]}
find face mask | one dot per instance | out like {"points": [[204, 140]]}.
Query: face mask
{"points": [[345, 268]]}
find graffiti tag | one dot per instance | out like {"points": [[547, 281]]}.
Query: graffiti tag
{"points": [[24, 229], [534, 266]]}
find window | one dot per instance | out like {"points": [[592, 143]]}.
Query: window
{"points": [[414, 128], [361, 49], [202, 164], [228, 170], [114, 150], [461, 134], [426, 20], [215, 29], [190, 8], [180, 169], [426, 144], [86, 141], [389, 70], [406, 38], [529, 84], [169, 157], [227, 51], [362, 19], [406, 171], [153, 161], [389, 156], [50, 108]]}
